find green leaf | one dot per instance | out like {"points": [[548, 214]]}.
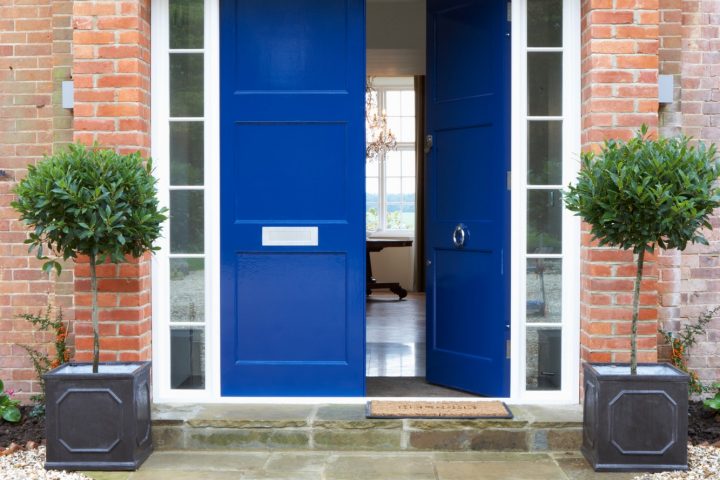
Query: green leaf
{"points": [[712, 403], [11, 414]]}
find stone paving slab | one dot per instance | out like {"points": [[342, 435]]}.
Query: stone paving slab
{"points": [[344, 427], [362, 465]]}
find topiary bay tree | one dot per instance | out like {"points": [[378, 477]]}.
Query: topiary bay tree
{"points": [[645, 193], [93, 202]]}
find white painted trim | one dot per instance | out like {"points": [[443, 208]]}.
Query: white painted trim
{"points": [[570, 362], [160, 131], [160, 151], [518, 153]]}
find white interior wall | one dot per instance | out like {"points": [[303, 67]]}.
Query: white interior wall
{"points": [[394, 265]]}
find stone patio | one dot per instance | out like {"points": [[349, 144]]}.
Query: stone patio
{"points": [[344, 427], [304, 465], [337, 442]]}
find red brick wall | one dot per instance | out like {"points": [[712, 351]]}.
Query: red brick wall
{"points": [[111, 45], [620, 42], [691, 279], [35, 42]]}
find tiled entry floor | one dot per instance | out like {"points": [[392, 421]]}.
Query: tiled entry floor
{"points": [[295, 465], [395, 335]]}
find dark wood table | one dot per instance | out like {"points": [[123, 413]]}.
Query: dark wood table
{"points": [[376, 246]]}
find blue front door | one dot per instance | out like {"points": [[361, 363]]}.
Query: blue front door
{"points": [[468, 202], [292, 190]]}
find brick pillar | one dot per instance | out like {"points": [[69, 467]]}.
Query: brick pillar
{"points": [[111, 70], [619, 92], [31, 32]]}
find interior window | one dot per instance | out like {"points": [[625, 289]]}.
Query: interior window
{"points": [[390, 175]]}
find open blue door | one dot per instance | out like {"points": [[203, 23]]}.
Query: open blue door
{"points": [[292, 190], [468, 214]]}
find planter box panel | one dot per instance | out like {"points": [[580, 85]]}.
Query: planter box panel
{"points": [[635, 423], [98, 421]]}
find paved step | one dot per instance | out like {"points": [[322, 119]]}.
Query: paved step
{"points": [[344, 427]]}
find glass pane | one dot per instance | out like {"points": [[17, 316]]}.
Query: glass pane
{"points": [[186, 84], [408, 216], [544, 221], [408, 163], [408, 189], [392, 190], [543, 359], [393, 103], [544, 19], [396, 218], [186, 221], [371, 169], [371, 217], [187, 290], [407, 133], [392, 164], [408, 103], [187, 358], [544, 290], [545, 152], [544, 83], [186, 153], [186, 23], [395, 126]]}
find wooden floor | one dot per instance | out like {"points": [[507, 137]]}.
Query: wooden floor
{"points": [[395, 335]]}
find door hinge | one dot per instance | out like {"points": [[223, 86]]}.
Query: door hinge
{"points": [[507, 349], [509, 180]]}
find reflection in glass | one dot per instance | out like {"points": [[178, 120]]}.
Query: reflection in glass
{"points": [[544, 290], [187, 290], [186, 84], [544, 22], [186, 153], [544, 354], [544, 221], [187, 216], [544, 83], [186, 23], [545, 152], [187, 358]]}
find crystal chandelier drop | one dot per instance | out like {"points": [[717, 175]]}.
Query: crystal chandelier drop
{"points": [[378, 137]]}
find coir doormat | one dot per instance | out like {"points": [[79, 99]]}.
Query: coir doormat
{"points": [[440, 409]]}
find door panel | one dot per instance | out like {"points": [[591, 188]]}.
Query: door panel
{"points": [[292, 155], [467, 223]]}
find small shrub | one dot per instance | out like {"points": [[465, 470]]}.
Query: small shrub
{"points": [[40, 360], [681, 342], [94, 202], [714, 402], [9, 410]]}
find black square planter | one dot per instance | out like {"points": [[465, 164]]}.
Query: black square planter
{"points": [[635, 422], [98, 421]]}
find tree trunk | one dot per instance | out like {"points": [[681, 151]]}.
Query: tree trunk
{"points": [[636, 311], [95, 323]]}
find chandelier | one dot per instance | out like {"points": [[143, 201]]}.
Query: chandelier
{"points": [[378, 137]]}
